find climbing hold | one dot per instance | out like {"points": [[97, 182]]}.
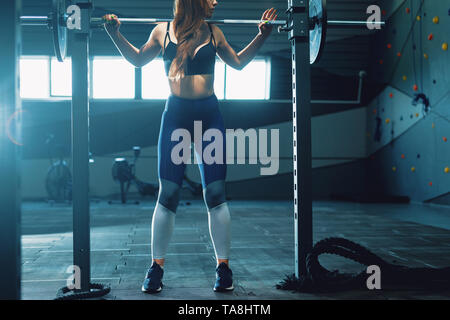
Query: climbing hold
{"points": [[408, 10], [403, 156], [425, 56], [436, 20], [418, 18], [430, 36], [388, 120], [433, 125], [389, 45], [413, 169], [434, 81], [444, 138], [445, 46], [447, 170], [383, 12], [404, 78], [381, 61], [418, 156], [431, 184], [401, 118], [391, 95], [417, 115], [399, 54], [416, 87], [394, 169], [374, 111]]}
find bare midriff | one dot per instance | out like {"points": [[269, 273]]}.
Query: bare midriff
{"points": [[193, 87]]}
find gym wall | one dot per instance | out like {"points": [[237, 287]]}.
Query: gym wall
{"points": [[411, 154], [342, 151]]}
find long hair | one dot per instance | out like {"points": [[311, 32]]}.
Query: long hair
{"points": [[188, 18]]}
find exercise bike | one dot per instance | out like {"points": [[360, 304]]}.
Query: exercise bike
{"points": [[124, 173]]}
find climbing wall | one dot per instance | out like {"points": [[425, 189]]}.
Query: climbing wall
{"points": [[408, 123]]}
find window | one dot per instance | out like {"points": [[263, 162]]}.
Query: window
{"points": [[252, 82], [219, 79], [34, 78], [112, 78], [154, 81], [61, 78]]}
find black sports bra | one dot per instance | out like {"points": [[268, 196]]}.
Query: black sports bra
{"points": [[203, 61]]}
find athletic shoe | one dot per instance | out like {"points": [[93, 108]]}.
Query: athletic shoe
{"points": [[224, 278], [153, 279]]}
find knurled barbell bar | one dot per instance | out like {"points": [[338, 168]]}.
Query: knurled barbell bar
{"points": [[318, 24]]}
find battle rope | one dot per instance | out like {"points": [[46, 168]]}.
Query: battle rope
{"points": [[319, 279], [96, 290]]}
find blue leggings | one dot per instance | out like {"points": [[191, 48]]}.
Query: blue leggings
{"points": [[180, 114]]}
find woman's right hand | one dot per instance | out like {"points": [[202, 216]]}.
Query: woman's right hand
{"points": [[112, 23]]}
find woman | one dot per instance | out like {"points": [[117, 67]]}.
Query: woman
{"points": [[189, 45]]}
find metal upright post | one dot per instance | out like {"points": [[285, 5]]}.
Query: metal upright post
{"points": [[80, 146], [301, 89], [10, 115]]}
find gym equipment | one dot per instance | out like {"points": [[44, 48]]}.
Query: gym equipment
{"points": [[316, 23], [125, 174], [320, 279], [59, 30], [58, 181], [195, 188]]}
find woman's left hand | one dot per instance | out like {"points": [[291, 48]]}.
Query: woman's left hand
{"points": [[269, 15]]}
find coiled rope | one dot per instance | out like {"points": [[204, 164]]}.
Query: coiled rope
{"points": [[95, 290], [319, 279]]}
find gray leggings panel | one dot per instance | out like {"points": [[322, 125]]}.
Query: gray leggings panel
{"points": [[163, 223], [214, 194], [219, 228], [169, 194]]}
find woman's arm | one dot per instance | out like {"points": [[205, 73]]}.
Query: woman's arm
{"points": [[241, 59], [137, 57]]}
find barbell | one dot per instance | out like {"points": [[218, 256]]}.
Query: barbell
{"points": [[318, 24]]}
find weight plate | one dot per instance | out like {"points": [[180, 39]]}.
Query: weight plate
{"points": [[318, 31], [59, 29]]}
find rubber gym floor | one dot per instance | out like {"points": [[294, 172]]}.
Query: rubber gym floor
{"points": [[262, 252]]}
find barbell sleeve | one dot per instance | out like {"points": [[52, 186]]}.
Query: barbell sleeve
{"points": [[34, 20], [350, 23]]}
